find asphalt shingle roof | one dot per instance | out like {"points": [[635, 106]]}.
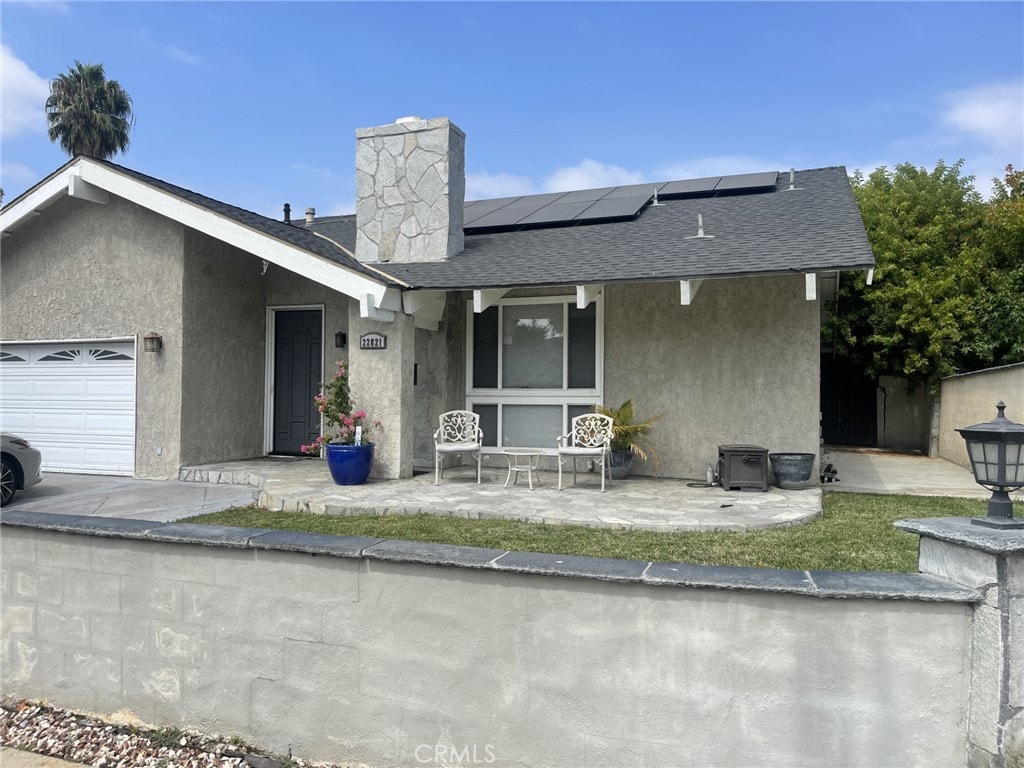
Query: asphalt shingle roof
{"points": [[815, 228], [293, 234]]}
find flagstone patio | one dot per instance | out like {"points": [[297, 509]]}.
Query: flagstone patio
{"points": [[638, 503]]}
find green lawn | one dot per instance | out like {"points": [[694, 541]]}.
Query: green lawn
{"points": [[854, 533]]}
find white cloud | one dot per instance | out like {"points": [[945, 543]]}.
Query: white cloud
{"points": [[590, 174], [24, 101], [53, 6], [992, 114], [180, 55], [172, 52], [721, 165], [486, 186]]}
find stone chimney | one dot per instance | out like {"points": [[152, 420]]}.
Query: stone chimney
{"points": [[410, 189]]}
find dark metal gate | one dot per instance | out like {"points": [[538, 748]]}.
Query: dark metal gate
{"points": [[848, 404]]}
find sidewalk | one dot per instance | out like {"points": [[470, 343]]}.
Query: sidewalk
{"points": [[872, 471]]}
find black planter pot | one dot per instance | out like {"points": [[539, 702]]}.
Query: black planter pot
{"points": [[792, 470]]}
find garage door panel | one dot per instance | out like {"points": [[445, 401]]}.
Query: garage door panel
{"points": [[15, 387], [75, 401]]}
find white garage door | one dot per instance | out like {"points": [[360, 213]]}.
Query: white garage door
{"points": [[75, 401]]}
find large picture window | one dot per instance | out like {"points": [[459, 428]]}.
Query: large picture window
{"points": [[532, 365]]}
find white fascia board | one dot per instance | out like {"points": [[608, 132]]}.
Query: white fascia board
{"points": [[688, 290], [486, 297], [80, 189], [426, 307], [585, 294], [810, 286], [369, 309], [316, 268], [39, 198]]}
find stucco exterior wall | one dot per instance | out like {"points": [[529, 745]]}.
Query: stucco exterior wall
{"points": [[971, 398], [350, 659], [84, 270], [224, 331], [904, 418], [740, 365], [288, 289], [441, 377]]}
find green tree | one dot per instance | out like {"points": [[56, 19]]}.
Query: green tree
{"points": [[88, 114], [921, 316], [1001, 308]]}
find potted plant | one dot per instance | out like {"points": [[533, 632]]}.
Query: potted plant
{"points": [[630, 438], [346, 440]]}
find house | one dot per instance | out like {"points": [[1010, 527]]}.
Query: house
{"points": [[699, 298]]}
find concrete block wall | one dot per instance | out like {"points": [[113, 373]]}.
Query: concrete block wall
{"points": [[992, 562], [971, 398], [399, 653]]}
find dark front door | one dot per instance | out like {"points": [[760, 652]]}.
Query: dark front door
{"points": [[298, 361]]}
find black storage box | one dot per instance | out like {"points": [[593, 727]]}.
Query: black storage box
{"points": [[743, 467]]}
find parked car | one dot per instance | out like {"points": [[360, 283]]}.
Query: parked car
{"points": [[19, 466]]}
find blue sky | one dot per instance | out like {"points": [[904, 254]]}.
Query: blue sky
{"points": [[257, 104]]}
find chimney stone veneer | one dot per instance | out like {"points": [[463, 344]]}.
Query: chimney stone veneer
{"points": [[410, 189]]}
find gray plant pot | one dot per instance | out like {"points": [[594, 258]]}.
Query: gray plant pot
{"points": [[620, 465], [792, 470]]}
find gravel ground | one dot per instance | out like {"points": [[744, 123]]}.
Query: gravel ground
{"points": [[85, 739]]}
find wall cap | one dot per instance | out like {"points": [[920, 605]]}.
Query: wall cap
{"points": [[820, 584], [960, 530]]}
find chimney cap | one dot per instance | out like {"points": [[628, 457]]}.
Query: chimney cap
{"points": [[408, 119]]}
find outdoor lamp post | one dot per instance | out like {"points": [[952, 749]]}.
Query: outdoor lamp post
{"points": [[996, 451]]}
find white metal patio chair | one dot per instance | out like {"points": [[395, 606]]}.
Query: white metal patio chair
{"points": [[458, 432], [589, 438]]}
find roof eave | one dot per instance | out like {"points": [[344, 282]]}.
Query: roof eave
{"points": [[261, 244]]}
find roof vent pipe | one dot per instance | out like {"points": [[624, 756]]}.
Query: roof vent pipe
{"points": [[700, 230], [310, 215], [792, 185], [287, 213]]}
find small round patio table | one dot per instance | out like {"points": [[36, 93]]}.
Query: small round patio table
{"points": [[522, 460]]}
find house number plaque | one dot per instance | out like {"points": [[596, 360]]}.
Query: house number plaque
{"points": [[373, 341]]}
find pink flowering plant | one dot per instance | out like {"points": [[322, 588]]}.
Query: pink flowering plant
{"points": [[340, 414]]}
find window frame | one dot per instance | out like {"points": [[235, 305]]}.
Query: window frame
{"points": [[562, 396]]}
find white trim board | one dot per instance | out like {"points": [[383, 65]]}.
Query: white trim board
{"points": [[100, 177]]}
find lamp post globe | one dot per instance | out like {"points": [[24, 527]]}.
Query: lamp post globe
{"points": [[996, 453]]}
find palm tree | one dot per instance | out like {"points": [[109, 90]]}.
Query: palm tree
{"points": [[88, 114]]}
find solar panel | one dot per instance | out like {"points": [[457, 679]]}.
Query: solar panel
{"points": [[484, 207], [633, 190], [689, 186], [503, 217], [748, 181], [585, 195], [556, 213], [615, 208], [536, 201]]}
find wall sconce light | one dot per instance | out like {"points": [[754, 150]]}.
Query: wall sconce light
{"points": [[152, 342], [996, 451], [340, 339]]}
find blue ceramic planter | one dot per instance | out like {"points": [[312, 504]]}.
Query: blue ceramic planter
{"points": [[350, 464]]}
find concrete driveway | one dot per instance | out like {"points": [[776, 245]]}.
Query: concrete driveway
{"points": [[103, 496]]}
